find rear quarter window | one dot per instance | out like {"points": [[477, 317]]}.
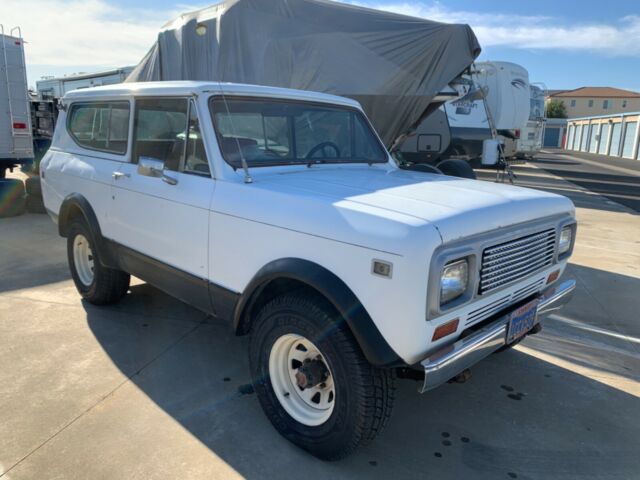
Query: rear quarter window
{"points": [[102, 126]]}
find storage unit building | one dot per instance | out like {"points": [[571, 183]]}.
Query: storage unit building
{"points": [[613, 135]]}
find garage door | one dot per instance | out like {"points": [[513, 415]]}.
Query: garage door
{"points": [[551, 136]]}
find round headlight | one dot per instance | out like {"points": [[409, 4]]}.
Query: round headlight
{"points": [[565, 240], [454, 280]]}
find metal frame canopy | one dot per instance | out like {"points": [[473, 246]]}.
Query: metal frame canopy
{"points": [[394, 65]]}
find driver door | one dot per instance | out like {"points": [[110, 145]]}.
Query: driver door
{"points": [[161, 214]]}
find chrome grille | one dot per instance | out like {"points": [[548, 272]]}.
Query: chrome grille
{"points": [[517, 259]]}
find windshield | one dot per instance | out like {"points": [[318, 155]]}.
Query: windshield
{"points": [[268, 132]]}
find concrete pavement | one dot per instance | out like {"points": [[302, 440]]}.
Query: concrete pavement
{"points": [[151, 388]]}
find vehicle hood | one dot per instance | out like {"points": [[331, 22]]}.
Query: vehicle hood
{"points": [[457, 207]]}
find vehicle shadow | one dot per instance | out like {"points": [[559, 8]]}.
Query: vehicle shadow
{"points": [[518, 416]]}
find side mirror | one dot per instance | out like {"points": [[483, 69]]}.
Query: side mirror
{"points": [[154, 167]]}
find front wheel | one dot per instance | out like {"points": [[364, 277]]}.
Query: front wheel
{"points": [[313, 381], [96, 283]]}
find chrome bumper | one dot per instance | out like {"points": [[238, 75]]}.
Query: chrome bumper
{"points": [[451, 360]]}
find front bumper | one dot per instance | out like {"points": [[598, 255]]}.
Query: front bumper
{"points": [[449, 361]]}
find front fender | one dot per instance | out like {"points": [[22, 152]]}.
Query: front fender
{"points": [[373, 345]]}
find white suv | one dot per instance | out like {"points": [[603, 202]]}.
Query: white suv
{"points": [[282, 212]]}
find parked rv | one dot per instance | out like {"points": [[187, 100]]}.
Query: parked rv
{"points": [[498, 94], [531, 136]]}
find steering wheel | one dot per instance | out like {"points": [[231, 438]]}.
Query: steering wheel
{"points": [[321, 147]]}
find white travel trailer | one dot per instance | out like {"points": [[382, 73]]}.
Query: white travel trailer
{"points": [[459, 128], [57, 87], [531, 136], [507, 97]]}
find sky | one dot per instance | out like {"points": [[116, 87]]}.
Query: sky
{"points": [[563, 44]]}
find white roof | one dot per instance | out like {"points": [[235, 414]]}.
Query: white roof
{"points": [[191, 87]]}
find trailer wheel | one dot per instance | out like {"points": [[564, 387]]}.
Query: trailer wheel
{"points": [[12, 201], [456, 167]]}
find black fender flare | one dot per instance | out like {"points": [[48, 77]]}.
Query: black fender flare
{"points": [[375, 348], [76, 203]]}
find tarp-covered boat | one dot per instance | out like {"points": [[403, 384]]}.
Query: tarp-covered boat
{"points": [[394, 65]]}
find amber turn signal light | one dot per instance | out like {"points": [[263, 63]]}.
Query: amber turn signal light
{"points": [[445, 329], [553, 276]]}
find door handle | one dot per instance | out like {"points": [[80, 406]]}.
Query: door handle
{"points": [[119, 175]]}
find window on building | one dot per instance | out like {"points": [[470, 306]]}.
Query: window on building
{"points": [[573, 103], [624, 104], [590, 103], [605, 104]]}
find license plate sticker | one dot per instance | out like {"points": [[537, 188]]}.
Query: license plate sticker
{"points": [[522, 320]]}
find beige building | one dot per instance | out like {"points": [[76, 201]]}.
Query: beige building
{"points": [[589, 101]]}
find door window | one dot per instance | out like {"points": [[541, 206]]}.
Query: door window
{"points": [[168, 130], [160, 125]]}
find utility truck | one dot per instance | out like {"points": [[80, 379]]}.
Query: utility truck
{"points": [[16, 145]]}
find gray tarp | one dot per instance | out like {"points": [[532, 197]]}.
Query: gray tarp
{"points": [[392, 64]]}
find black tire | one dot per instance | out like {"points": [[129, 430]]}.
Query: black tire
{"points": [[364, 394], [12, 201], [32, 186], [456, 167], [423, 167], [108, 285], [35, 204]]}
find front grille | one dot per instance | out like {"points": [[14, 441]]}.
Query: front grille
{"points": [[516, 259]]}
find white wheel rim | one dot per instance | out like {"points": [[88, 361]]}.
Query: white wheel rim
{"points": [[83, 259], [310, 406]]}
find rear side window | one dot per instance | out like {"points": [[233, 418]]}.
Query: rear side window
{"points": [[100, 126]]}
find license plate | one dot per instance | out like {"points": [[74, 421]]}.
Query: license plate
{"points": [[522, 320]]}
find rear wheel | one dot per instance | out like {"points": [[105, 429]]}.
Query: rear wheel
{"points": [[312, 380], [456, 167], [96, 283]]}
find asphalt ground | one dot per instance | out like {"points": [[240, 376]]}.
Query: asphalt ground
{"points": [[617, 179]]}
